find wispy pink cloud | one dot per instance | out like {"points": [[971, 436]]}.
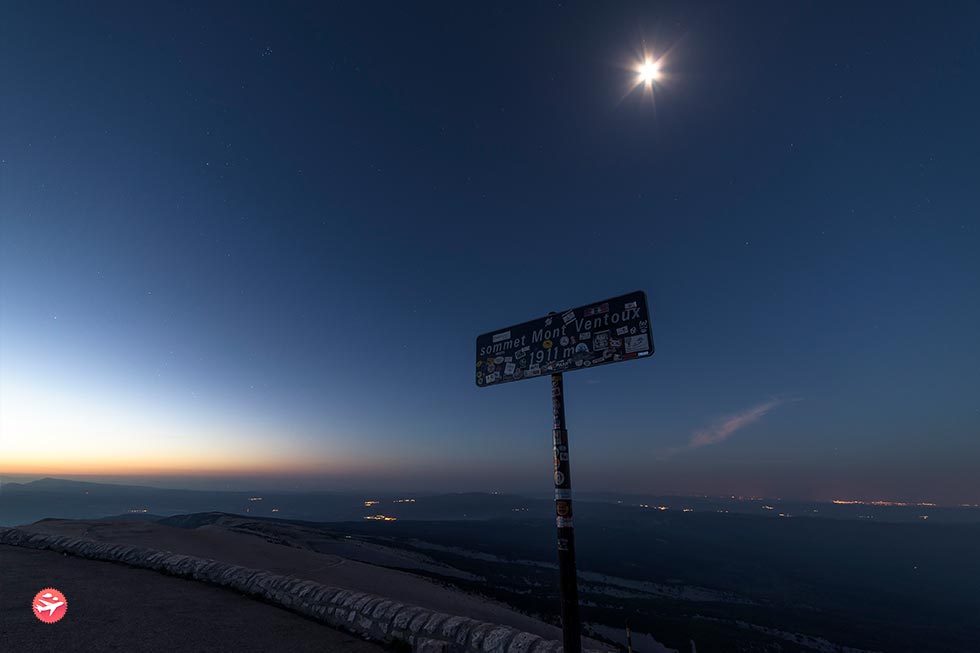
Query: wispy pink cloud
{"points": [[726, 426]]}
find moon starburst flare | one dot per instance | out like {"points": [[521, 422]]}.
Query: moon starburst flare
{"points": [[648, 72]]}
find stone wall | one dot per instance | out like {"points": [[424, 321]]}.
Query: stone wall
{"points": [[366, 615]]}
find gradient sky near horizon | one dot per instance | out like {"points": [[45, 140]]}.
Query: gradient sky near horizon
{"points": [[257, 242]]}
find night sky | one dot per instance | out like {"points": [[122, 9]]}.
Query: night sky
{"points": [[255, 243]]}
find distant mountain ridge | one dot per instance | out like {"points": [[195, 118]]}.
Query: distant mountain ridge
{"points": [[22, 503], [51, 484]]}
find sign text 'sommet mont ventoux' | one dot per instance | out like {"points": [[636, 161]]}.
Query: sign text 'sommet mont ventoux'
{"points": [[609, 331]]}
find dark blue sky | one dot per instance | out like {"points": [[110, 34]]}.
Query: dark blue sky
{"points": [[260, 240]]}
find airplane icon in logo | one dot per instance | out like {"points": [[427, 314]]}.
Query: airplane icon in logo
{"points": [[48, 606]]}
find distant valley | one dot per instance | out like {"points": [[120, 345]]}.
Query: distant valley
{"points": [[728, 574], [22, 503]]}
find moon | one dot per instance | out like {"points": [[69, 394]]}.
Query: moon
{"points": [[649, 71]]}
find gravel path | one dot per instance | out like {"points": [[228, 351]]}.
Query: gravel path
{"points": [[249, 551], [114, 608]]}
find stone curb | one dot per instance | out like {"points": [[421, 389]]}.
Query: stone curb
{"points": [[368, 616]]}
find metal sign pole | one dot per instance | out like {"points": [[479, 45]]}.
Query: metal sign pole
{"points": [[571, 624], [601, 333]]}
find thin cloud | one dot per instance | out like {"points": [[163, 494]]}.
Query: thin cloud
{"points": [[728, 425]]}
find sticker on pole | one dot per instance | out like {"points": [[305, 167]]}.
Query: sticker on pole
{"points": [[603, 332]]}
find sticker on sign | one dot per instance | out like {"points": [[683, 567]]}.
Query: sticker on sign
{"points": [[636, 343], [551, 345]]}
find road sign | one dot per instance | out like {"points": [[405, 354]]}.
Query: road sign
{"points": [[609, 331]]}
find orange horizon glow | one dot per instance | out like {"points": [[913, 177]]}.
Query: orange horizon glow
{"points": [[141, 469], [50, 429], [96, 464], [190, 467]]}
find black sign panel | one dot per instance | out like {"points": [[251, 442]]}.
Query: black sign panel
{"points": [[609, 331]]}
